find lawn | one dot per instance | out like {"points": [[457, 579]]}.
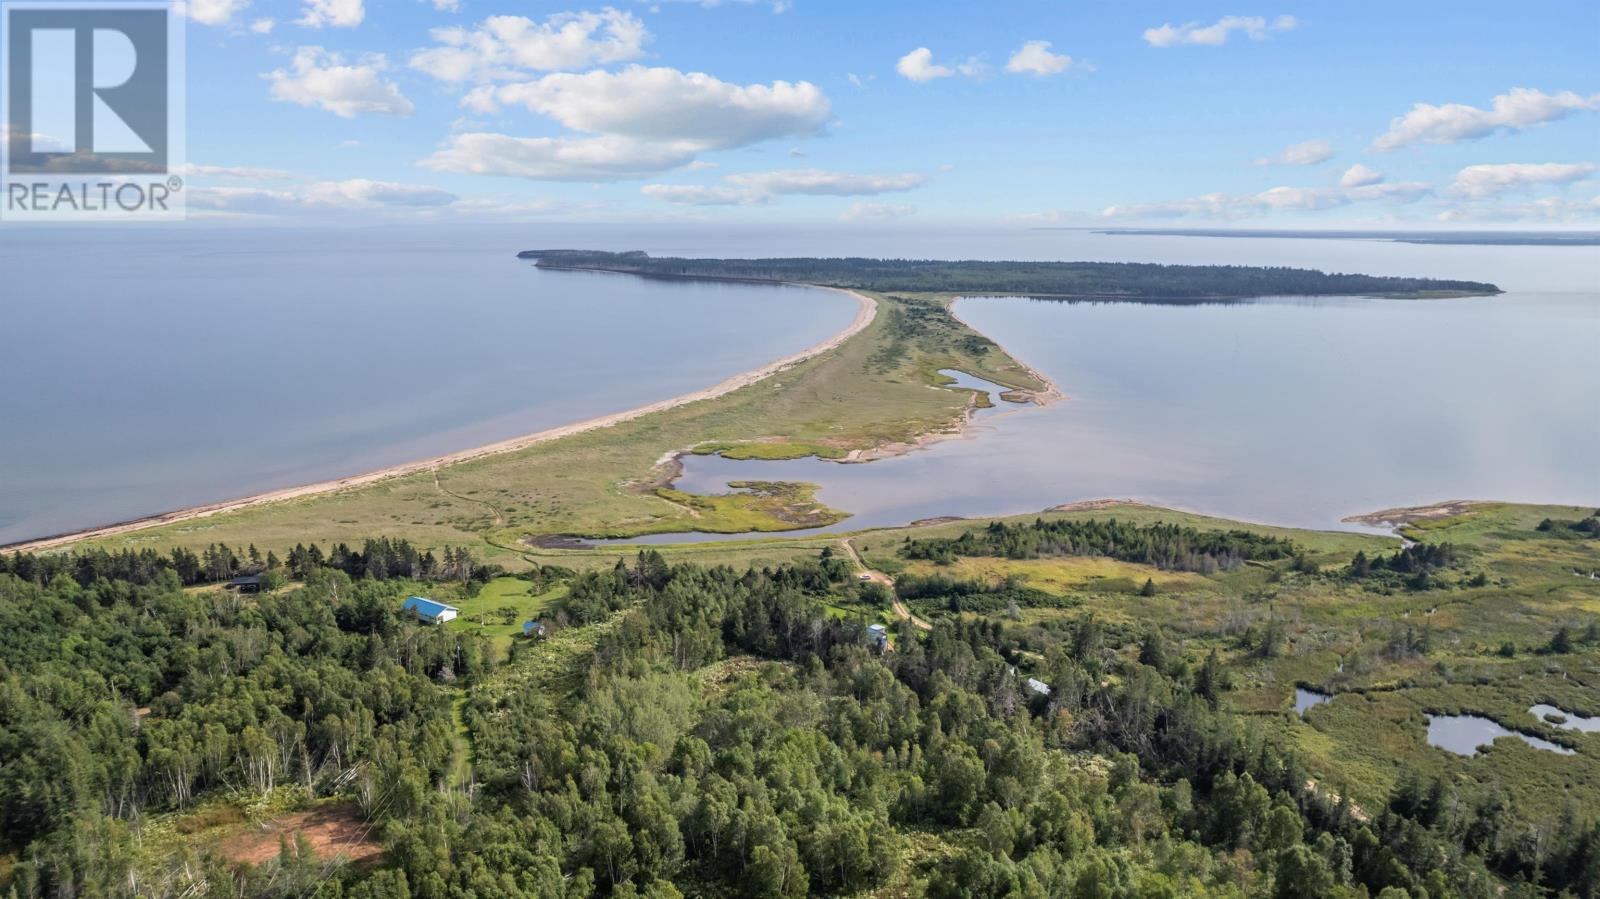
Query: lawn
{"points": [[481, 613]]}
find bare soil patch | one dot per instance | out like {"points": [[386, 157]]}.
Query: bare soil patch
{"points": [[336, 831]]}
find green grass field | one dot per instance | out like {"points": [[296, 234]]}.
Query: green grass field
{"points": [[481, 613]]}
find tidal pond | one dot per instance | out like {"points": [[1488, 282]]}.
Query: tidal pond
{"points": [[1304, 699], [1463, 734], [1571, 721]]}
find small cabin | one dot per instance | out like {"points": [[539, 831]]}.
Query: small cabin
{"points": [[533, 629], [245, 583], [878, 634], [429, 612]]}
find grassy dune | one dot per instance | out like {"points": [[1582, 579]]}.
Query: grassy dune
{"points": [[872, 391]]}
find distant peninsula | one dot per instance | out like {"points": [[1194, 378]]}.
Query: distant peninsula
{"points": [[1468, 238], [1086, 280]]}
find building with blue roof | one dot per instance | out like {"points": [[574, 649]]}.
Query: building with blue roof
{"points": [[428, 611]]}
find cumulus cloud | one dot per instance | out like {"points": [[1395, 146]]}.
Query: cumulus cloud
{"points": [[1359, 175], [663, 104], [1255, 27], [505, 47], [262, 26], [210, 12], [632, 123], [1479, 181], [447, 5], [1308, 152], [918, 65], [1517, 110], [1035, 58], [317, 77], [333, 13], [876, 212], [745, 188], [605, 158]]}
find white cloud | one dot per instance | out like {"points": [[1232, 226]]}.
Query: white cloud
{"points": [[1519, 109], [606, 158], [1035, 58], [447, 5], [663, 104], [1277, 199], [240, 172], [503, 47], [262, 26], [242, 200], [701, 195], [820, 183], [1479, 181], [318, 77], [778, 6], [1308, 152], [348, 143], [335, 13], [362, 193], [1544, 209], [875, 212], [1192, 33], [746, 188], [1398, 192], [918, 65], [210, 12], [1359, 175]]}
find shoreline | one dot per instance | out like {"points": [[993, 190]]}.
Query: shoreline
{"points": [[866, 312]]}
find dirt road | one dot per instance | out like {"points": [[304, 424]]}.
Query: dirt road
{"points": [[879, 577]]}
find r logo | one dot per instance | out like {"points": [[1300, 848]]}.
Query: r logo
{"points": [[87, 90]]}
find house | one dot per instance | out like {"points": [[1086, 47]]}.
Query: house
{"points": [[1035, 685], [428, 611], [245, 583], [533, 629], [878, 634]]}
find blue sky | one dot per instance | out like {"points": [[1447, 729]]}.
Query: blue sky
{"points": [[1412, 114]]}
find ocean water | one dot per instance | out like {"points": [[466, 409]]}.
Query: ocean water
{"points": [[151, 370]]}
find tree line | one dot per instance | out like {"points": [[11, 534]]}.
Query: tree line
{"points": [[1167, 546], [381, 558], [1129, 280]]}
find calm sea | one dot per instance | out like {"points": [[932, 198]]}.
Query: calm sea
{"points": [[148, 371]]}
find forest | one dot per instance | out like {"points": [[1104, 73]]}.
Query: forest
{"points": [[1111, 280], [716, 732]]}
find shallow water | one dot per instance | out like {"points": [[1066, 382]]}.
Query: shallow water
{"points": [[153, 372], [1573, 722], [1288, 411], [1463, 734], [1304, 699]]}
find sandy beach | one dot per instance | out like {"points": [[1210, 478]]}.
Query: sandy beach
{"points": [[865, 312]]}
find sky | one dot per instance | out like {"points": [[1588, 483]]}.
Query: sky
{"points": [[1265, 113]]}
